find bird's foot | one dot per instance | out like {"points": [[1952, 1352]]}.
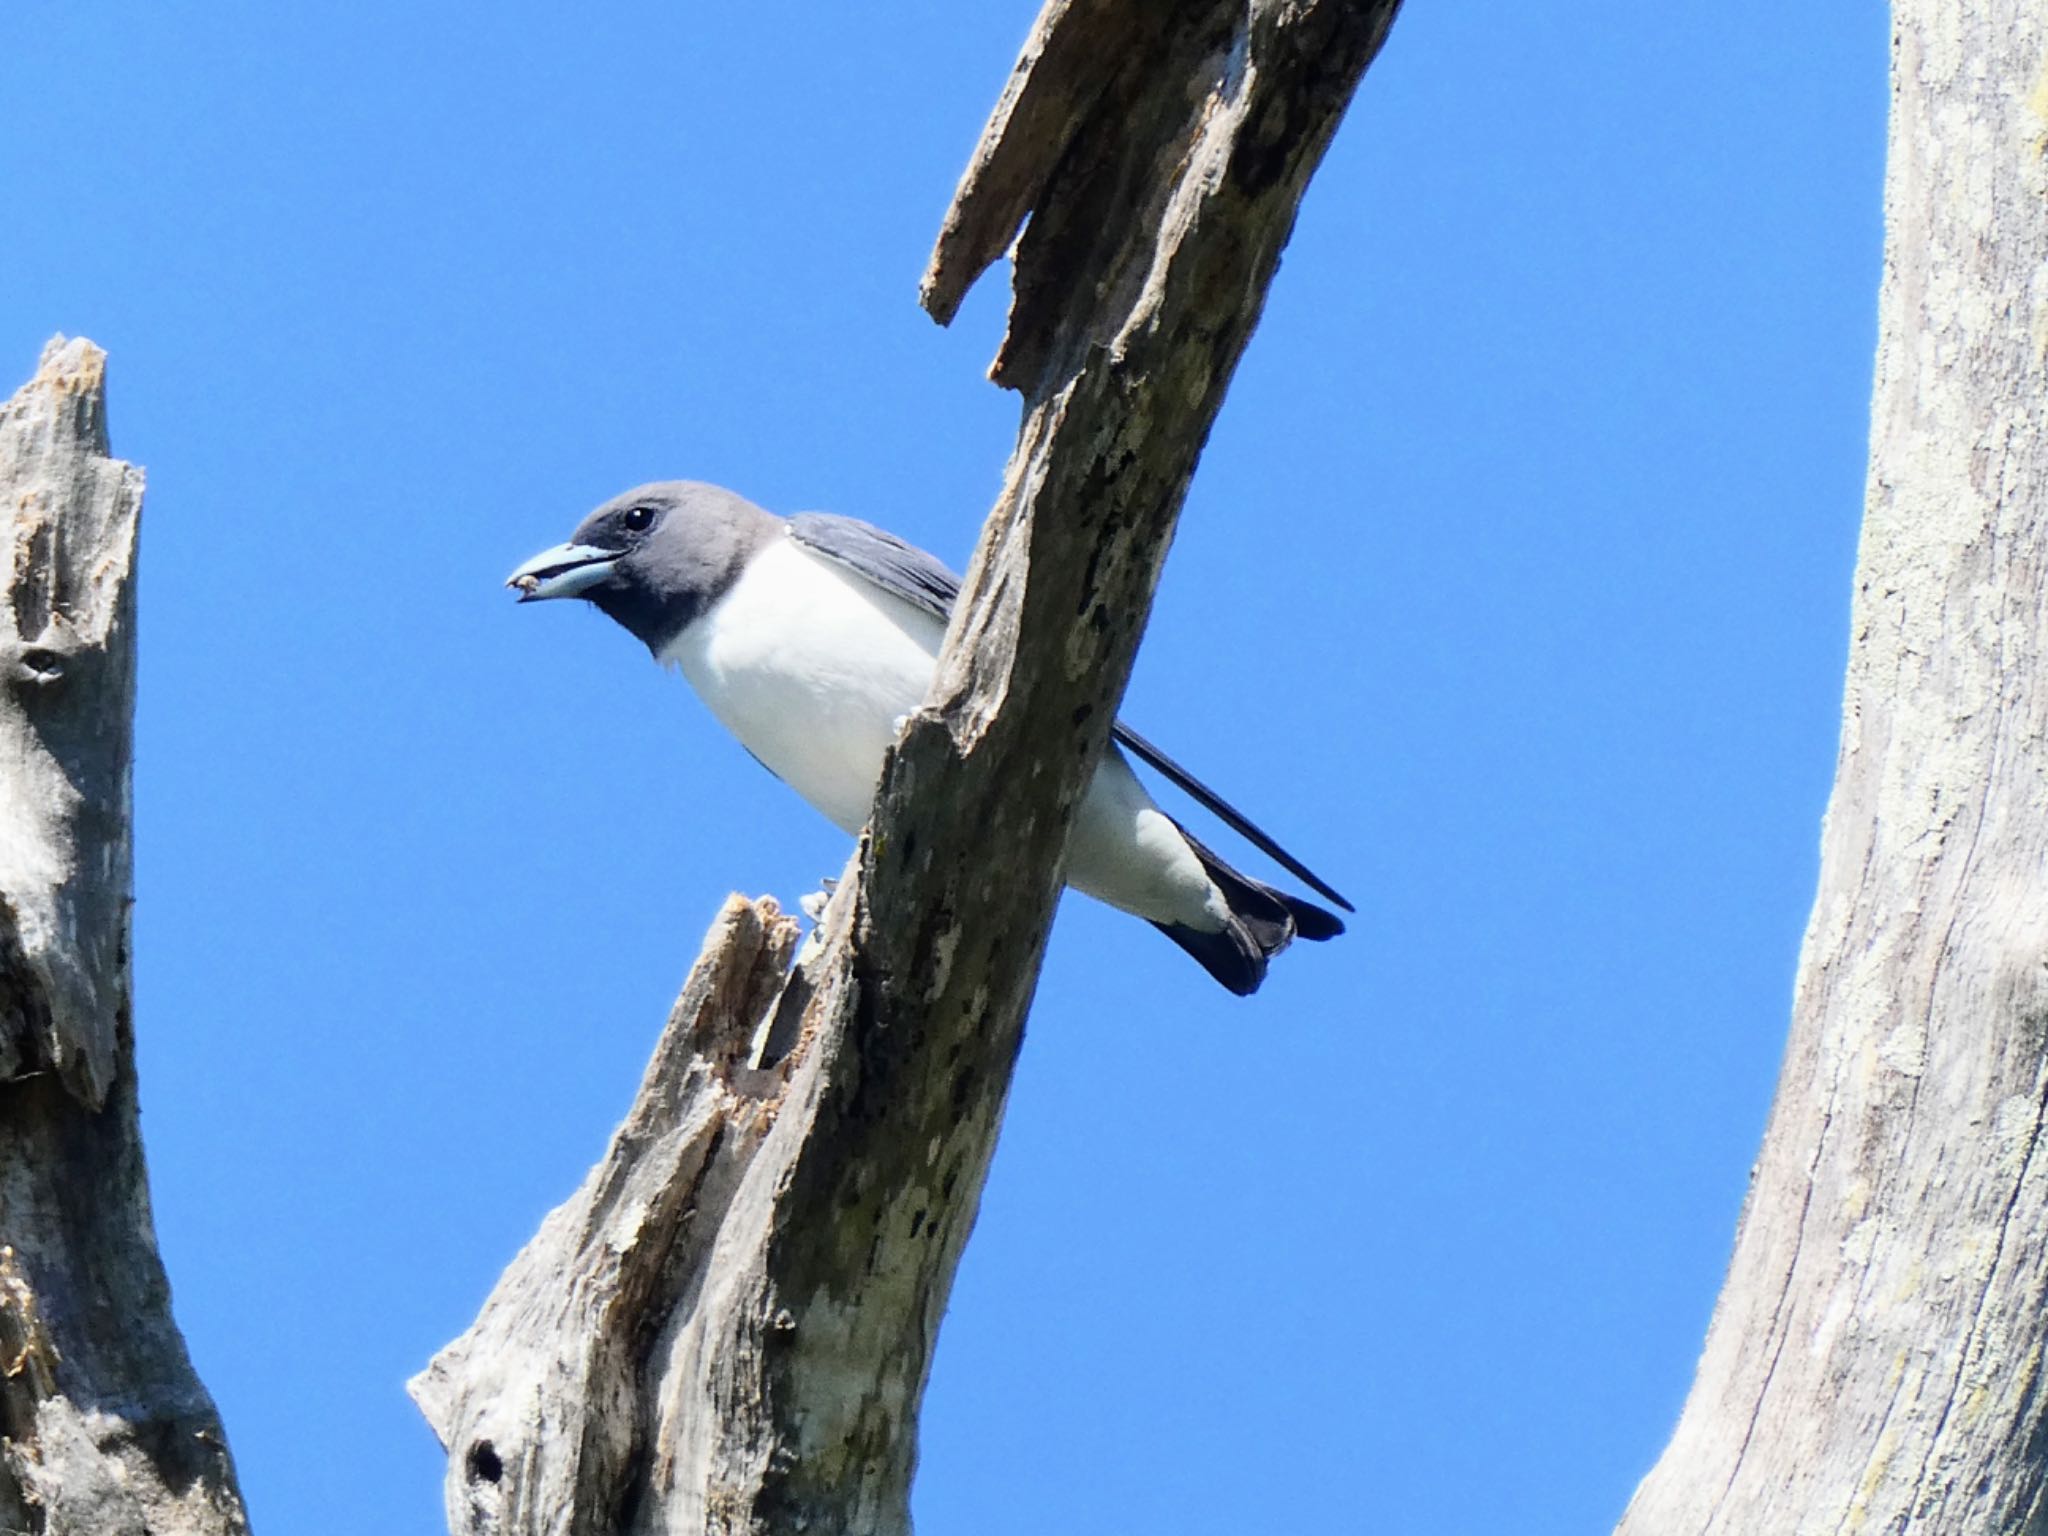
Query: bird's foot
{"points": [[814, 904]]}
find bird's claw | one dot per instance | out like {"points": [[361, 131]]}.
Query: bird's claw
{"points": [[814, 904]]}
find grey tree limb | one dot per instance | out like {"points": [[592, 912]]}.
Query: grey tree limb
{"points": [[104, 1428], [730, 1327], [1875, 1360]]}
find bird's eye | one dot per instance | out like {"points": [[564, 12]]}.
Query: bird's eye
{"points": [[638, 519]]}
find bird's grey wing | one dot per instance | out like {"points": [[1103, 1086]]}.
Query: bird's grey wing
{"points": [[1226, 813], [906, 571], [900, 569]]}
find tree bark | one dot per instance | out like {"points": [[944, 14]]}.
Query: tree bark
{"points": [[1874, 1363], [729, 1328], [104, 1428]]}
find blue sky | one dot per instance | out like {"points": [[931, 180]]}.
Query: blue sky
{"points": [[1511, 593]]}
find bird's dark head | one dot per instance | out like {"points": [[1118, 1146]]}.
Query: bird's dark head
{"points": [[654, 558]]}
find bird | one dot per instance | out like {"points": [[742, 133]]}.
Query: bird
{"points": [[812, 637]]}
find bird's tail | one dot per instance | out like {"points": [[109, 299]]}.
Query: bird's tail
{"points": [[1263, 922]]}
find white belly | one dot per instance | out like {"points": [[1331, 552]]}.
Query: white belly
{"points": [[813, 668]]}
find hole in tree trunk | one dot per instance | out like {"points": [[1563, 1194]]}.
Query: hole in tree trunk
{"points": [[484, 1464]]}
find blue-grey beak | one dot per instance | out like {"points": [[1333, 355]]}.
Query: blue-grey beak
{"points": [[567, 570]]}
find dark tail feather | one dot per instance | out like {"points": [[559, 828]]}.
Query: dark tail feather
{"points": [[1263, 922]]}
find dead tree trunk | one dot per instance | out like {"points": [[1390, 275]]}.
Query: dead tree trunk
{"points": [[729, 1327], [1875, 1362], [103, 1426]]}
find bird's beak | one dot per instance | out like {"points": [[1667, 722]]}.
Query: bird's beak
{"points": [[567, 570]]}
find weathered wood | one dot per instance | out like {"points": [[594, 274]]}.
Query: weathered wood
{"points": [[1875, 1361], [67, 663], [103, 1426], [569, 1352], [785, 1361]]}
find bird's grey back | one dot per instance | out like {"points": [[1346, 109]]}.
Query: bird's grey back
{"points": [[901, 569]]}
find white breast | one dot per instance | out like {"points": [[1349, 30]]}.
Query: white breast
{"points": [[813, 668]]}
